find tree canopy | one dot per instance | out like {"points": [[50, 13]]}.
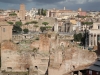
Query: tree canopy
{"points": [[42, 29], [48, 27], [27, 23], [86, 23], [18, 23], [42, 12], [12, 14], [36, 26], [45, 23], [79, 16], [34, 22], [25, 31], [10, 23], [17, 29], [78, 37]]}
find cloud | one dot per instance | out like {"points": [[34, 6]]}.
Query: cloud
{"points": [[49, 1], [71, 4]]}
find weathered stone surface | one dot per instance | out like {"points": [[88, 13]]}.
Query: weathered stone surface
{"points": [[16, 58], [73, 59], [7, 45], [44, 42], [53, 53]]}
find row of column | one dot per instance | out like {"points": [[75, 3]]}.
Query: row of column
{"points": [[93, 38], [78, 73]]}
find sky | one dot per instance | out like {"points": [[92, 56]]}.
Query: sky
{"points": [[93, 5]]}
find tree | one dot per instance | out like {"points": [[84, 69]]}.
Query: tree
{"points": [[84, 38], [27, 23], [42, 29], [12, 14], [42, 11], [18, 23], [39, 11], [17, 29], [86, 23], [25, 31], [78, 37], [45, 23], [34, 22], [36, 26], [48, 27], [11, 23]]}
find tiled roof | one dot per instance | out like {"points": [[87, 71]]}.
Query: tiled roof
{"points": [[95, 66]]}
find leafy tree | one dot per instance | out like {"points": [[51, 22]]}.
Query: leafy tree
{"points": [[81, 16], [34, 22], [42, 11], [87, 23], [11, 23], [77, 37], [12, 14], [27, 23], [18, 23], [37, 38], [25, 31], [42, 29], [45, 23], [17, 29], [36, 26], [48, 27], [39, 11]]}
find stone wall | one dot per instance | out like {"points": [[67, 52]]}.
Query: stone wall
{"points": [[73, 59], [44, 42], [55, 55], [15, 59]]}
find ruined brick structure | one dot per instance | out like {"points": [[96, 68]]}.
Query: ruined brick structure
{"points": [[22, 12], [51, 54], [5, 28], [44, 42]]}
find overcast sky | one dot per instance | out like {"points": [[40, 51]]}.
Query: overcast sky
{"points": [[48, 4]]}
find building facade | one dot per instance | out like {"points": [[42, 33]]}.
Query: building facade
{"points": [[32, 13], [61, 14], [22, 12], [94, 34], [5, 31]]}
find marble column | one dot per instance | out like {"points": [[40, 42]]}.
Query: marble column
{"points": [[96, 40], [92, 39], [89, 40], [72, 73], [79, 73]]}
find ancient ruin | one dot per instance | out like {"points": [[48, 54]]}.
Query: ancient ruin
{"points": [[50, 55]]}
